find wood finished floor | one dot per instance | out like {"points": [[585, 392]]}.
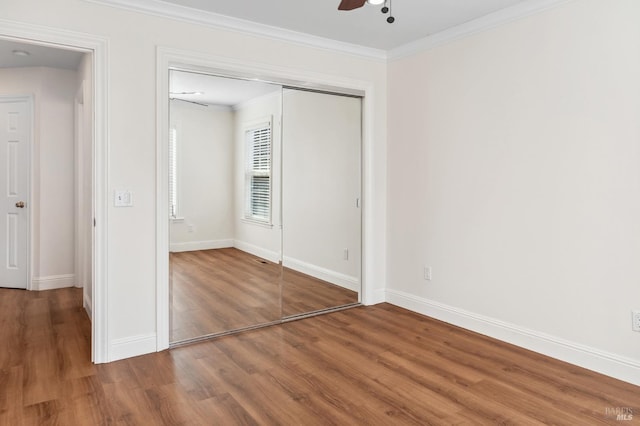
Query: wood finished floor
{"points": [[214, 291], [378, 365]]}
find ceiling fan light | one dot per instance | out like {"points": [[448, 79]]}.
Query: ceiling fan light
{"points": [[375, 2]]}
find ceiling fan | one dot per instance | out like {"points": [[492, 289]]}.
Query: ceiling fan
{"points": [[186, 93], [172, 97], [356, 4]]}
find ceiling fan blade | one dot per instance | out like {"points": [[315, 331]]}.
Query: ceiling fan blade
{"points": [[351, 4], [191, 102]]}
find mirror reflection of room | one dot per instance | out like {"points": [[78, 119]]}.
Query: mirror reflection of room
{"points": [[231, 209], [320, 202]]}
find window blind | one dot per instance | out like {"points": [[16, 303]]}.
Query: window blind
{"points": [[259, 174]]}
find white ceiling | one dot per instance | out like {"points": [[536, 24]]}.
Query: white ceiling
{"points": [[216, 90], [40, 56], [367, 26]]}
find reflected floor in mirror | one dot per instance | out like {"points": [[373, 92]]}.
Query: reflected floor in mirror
{"points": [[303, 293], [214, 291]]}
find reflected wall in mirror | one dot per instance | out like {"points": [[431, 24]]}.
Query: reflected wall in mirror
{"points": [[321, 201], [225, 245], [264, 222]]}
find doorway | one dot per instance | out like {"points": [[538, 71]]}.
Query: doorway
{"points": [[44, 207], [26, 42], [249, 246]]}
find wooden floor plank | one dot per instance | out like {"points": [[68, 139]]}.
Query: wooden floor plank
{"points": [[377, 365]]}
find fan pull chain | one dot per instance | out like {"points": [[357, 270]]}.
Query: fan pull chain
{"points": [[387, 9]]}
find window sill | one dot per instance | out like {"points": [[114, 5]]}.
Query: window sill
{"points": [[257, 223], [177, 220]]}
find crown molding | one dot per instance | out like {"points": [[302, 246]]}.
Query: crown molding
{"points": [[214, 20], [484, 23]]}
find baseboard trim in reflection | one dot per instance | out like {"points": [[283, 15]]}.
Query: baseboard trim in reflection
{"points": [[270, 255], [333, 277]]}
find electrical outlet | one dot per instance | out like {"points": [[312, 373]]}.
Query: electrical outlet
{"points": [[190, 228], [427, 273], [122, 198], [635, 320]]}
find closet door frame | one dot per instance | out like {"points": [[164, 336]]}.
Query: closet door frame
{"points": [[170, 58]]}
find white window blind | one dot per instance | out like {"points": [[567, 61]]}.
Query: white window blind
{"points": [[173, 174], [258, 176]]}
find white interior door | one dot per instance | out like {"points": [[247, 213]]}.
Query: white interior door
{"points": [[15, 129]]}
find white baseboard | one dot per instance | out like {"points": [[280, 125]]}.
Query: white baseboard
{"points": [[200, 245], [271, 256], [129, 347], [337, 278], [613, 365], [86, 303], [53, 282]]}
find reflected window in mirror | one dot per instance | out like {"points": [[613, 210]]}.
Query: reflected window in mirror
{"points": [[258, 172]]}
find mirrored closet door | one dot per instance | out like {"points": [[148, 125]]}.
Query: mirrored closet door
{"points": [[321, 235], [264, 216]]}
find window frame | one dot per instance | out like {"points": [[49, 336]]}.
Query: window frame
{"points": [[249, 139]]}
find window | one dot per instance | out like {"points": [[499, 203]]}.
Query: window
{"points": [[258, 173], [173, 174]]}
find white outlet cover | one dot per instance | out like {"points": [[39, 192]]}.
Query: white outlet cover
{"points": [[123, 198], [427, 273]]}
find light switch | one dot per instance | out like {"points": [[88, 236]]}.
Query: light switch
{"points": [[123, 198]]}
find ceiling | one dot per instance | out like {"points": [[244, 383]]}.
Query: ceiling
{"points": [[39, 56], [216, 90], [367, 26]]}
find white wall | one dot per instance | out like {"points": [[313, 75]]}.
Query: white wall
{"points": [[53, 170], [133, 39], [513, 173], [258, 239], [204, 176], [321, 182]]}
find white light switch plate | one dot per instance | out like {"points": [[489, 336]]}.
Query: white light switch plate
{"points": [[123, 198]]}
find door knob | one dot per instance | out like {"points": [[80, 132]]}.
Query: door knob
{"points": [[20, 204]]}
